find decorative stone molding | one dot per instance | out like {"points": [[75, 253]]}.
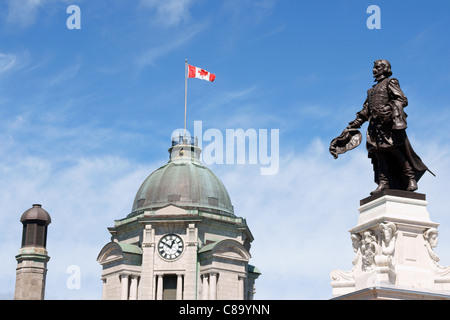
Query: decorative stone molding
{"points": [[431, 240], [430, 235], [369, 248], [388, 233], [356, 242], [342, 276], [375, 246]]}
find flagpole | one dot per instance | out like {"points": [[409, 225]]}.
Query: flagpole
{"points": [[185, 94]]}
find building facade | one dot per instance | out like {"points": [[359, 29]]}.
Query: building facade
{"points": [[181, 240]]}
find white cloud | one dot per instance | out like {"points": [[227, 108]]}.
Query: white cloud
{"points": [[150, 56], [13, 62], [83, 199], [65, 75], [168, 13], [23, 12], [226, 98], [254, 11], [7, 62]]}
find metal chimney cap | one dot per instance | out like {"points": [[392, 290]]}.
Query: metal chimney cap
{"points": [[36, 213]]}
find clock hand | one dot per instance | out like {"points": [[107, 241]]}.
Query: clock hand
{"points": [[166, 244]]}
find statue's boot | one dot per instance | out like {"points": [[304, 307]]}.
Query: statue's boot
{"points": [[412, 183], [382, 185], [383, 181], [408, 171]]}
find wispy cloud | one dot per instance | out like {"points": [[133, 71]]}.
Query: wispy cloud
{"points": [[87, 194], [65, 75], [7, 62], [271, 33], [254, 11], [168, 13], [150, 56], [227, 97], [13, 62], [48, 162], [23, 12]]}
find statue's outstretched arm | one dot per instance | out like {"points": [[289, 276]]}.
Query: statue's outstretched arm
{"points": [[361, 117]]}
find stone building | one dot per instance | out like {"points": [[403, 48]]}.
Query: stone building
{"points": [[32, 259], [181, 240]]}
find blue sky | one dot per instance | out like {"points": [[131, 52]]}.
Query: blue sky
{"points": [[86, 115]]}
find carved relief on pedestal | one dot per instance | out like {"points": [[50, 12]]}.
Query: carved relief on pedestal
{"points": [[388, 234], [430, 235], [368, 246], [377, 245], [356, 242], [431, 240], [341, 276], [373, 248]]}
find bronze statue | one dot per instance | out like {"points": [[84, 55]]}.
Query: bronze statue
{"points": [[395, 164]]}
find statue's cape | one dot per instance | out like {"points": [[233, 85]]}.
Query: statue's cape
{"points": [[348, 140], [397, 180]]}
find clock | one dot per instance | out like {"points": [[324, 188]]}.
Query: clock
{"points": [[170, 246]]}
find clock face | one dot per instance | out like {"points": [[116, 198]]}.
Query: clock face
{"points": [[170, 246]]}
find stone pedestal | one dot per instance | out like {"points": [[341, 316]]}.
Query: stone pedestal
{"points": [[393, 243]]}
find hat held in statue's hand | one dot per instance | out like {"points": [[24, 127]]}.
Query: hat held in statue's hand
{"points": [[348, 140]]}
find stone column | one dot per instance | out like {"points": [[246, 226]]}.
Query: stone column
{"points": [[124, 287], [190, 258], [205, 295], [159, 286], [241, 280], [133, 287], [213, 286], [179, 287], [154, 282], [104, 288], [251, 290], [147, 281]]}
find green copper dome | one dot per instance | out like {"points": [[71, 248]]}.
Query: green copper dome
{"points": [[184, 182]]}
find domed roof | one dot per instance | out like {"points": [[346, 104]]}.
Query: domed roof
{"points": [[184, 182], [36, 213]]}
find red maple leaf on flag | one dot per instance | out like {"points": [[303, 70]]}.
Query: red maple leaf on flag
{"points": [[203, 72]]}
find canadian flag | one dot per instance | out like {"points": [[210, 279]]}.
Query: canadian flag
{"points": [[200, 73]]}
